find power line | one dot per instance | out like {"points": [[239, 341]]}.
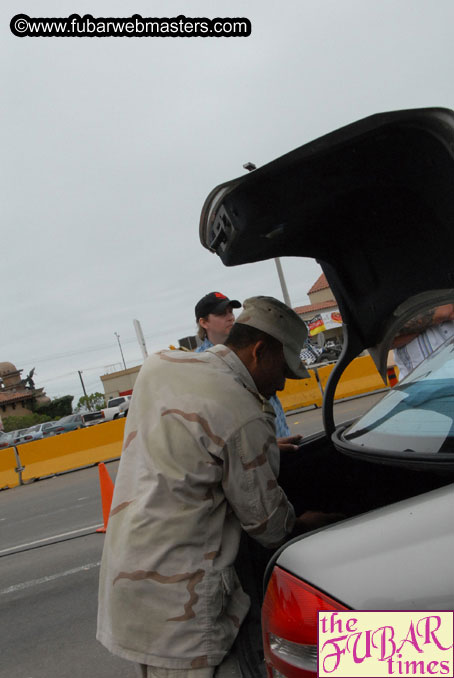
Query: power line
{"points": [[135, 362], [90, 349]]}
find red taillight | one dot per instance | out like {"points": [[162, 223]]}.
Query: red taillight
{"points": [[289, 625], [60, 428]]}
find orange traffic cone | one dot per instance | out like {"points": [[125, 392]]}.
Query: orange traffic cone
{"points": [[107, 488]]}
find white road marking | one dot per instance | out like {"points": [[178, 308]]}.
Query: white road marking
{"points": [[11, 549], [45, 580]]}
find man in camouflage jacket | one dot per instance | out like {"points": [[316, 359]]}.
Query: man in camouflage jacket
{"points": [[199, 464]]}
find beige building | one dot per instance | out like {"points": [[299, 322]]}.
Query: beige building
{"points": [[119, 383]]}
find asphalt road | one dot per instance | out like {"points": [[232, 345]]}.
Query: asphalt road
{"points": [[49, 566]]}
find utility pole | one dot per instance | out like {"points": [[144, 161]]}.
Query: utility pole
{"points": [[83, 389], [250, 167], [118, 339]]}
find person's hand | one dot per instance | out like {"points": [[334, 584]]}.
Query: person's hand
{"points": [[421, 322], [403, 339], [290, 443], [312, 520], [443, 314]]}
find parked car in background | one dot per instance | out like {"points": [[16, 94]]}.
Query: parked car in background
{"points": [[48, 429], [92, 418], [22, 436], [37, 432], [374, 204], [6, 439], [71, 422], [116, 407]]}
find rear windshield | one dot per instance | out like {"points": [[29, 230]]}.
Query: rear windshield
{"points": [[417, 415], [92, 415], [70, 417], [116, 401]]}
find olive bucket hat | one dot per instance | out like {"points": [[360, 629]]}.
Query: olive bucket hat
{"points": [[281, 322]]}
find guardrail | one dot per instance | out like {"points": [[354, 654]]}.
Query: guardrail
{"points": [[69, 451]]}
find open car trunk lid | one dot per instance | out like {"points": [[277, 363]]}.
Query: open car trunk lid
{"points": [[372, 202]]}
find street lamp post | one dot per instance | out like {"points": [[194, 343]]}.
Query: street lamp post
{"points": [[122, 356], [284, 289]]}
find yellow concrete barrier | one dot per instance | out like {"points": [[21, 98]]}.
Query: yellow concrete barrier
{"points": [[71, 450], [361, 376], [301, 393], [8, 463]]}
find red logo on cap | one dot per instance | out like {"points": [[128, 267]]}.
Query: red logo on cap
{"points": [[219, 295]]}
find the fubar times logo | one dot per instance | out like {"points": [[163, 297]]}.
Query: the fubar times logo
{"points": [[366, 644]]}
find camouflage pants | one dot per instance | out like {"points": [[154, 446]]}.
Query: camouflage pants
{"points": [[144, 671], [229, 668]]}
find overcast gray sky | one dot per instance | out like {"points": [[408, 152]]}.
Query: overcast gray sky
{"points": [[110, 146]]}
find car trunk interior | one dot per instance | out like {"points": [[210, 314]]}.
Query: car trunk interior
{"points": [[319, 478]]}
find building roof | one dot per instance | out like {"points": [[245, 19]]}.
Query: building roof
{"points": [[312, 308], [6, 398], [320, 284]]}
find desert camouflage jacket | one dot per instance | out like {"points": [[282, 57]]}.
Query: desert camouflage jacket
{"points": [[199, 463]]}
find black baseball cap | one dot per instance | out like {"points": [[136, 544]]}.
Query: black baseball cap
{"points": [[214, 302]]}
